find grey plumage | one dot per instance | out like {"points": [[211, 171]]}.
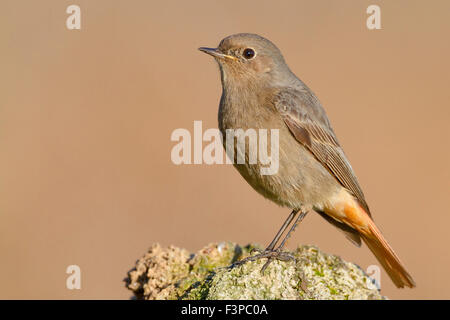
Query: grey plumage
{"points": [[260, 91]]}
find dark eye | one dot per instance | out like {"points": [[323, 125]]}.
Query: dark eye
{"points": [[248, 53]]}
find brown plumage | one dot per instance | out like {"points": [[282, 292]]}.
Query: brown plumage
{"points": [[316, 134], [260, 91]]}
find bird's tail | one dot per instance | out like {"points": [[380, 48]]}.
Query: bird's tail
{"points": [[386, 256]]}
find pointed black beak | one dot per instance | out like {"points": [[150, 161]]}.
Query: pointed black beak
{"points": [[216, 53]]}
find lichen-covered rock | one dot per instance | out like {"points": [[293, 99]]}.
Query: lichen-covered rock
{"points": [[173, 273], [156, 271]]}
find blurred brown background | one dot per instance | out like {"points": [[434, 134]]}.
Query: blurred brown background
{"points": [[86, 118]]}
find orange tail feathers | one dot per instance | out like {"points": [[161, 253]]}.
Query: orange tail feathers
{"points": [[386, 256], [347, 210]]}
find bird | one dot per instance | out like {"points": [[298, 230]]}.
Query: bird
{"points": [[259, 90]]}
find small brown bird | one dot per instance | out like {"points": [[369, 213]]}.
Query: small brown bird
{"points": [[260, 91]]}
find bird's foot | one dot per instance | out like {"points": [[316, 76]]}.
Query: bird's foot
{"points": [[269, 254]]}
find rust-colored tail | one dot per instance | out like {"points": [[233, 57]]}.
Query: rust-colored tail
{"points": [[386, 256], [345, 209]]}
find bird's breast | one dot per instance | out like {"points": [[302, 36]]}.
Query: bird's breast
{"points": [[299, 179]]}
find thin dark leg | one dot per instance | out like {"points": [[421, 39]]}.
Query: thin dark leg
{"points": [[299, 219], [270, 252], [282, 229], [288, 235]]}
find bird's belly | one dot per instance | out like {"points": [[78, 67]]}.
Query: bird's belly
{"points": [[299, 181]]}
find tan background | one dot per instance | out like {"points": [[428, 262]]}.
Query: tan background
{"points": [[86, 118]]}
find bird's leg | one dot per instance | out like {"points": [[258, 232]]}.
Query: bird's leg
{"points": [[270, 252], [299, 219], [286, 223], [278, 253]]}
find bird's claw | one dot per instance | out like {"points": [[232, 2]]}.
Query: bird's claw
{"points": [[270, 255]]}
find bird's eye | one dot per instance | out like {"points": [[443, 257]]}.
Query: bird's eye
{"points": [[248, 53]]}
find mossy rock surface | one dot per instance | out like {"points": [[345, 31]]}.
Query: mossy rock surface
{"points": [[174, 273]]}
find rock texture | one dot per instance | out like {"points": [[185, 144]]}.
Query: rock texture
{"points": [[174, 273]]}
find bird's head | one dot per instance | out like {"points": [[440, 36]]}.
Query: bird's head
{"points": [[248, 57]]}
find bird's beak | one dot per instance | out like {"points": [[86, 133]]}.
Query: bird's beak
{"points": [[216, 53]]}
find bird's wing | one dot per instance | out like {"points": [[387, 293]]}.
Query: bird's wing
{"points": [[306, 119]]}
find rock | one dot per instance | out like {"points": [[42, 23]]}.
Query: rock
{"points": [[174, 273]]}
